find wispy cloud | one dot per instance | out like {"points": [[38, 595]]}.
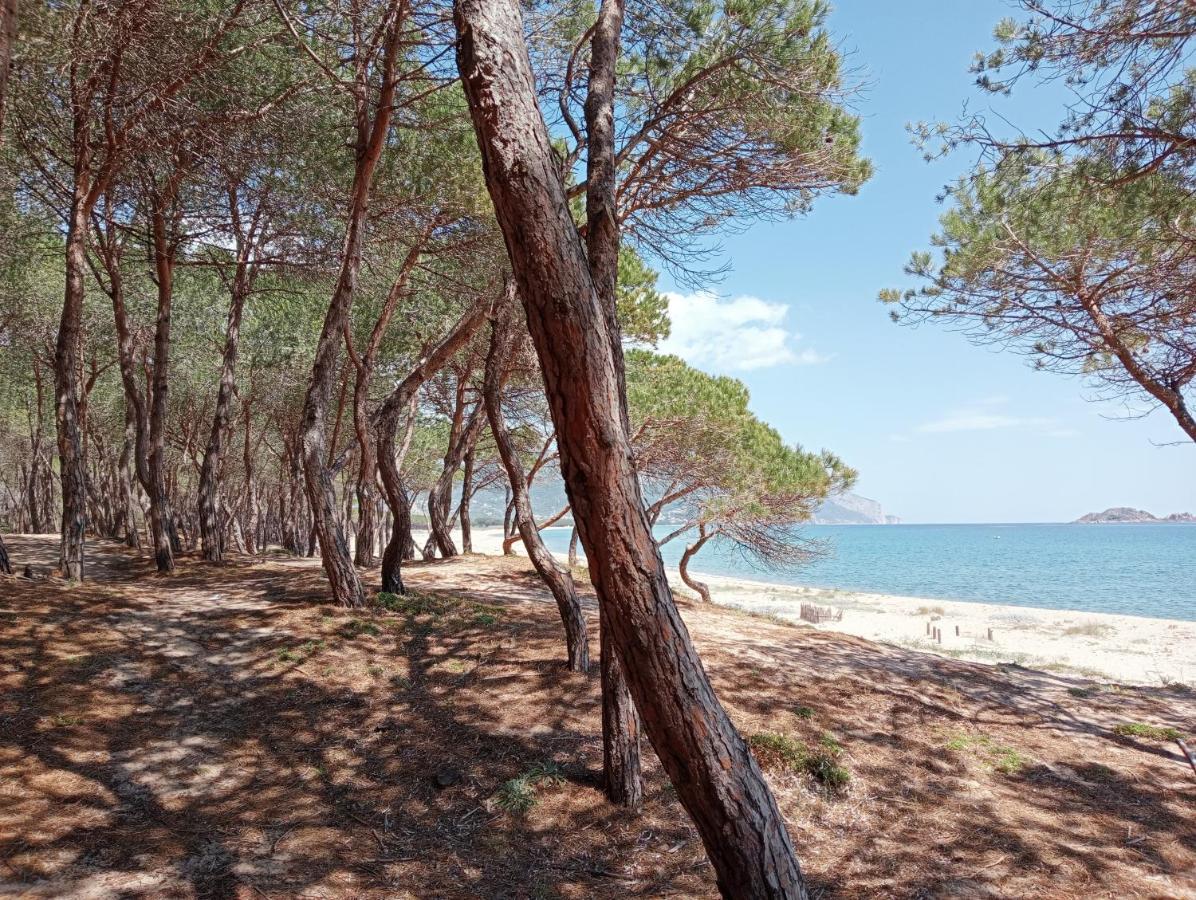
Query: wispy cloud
{"points": [[734, 334], [988, 414], [979, 421]]}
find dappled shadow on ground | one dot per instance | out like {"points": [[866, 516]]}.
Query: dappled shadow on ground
{"points": [[224, 733]]}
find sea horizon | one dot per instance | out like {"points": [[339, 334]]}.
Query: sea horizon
{"points": [[1145, 569]]}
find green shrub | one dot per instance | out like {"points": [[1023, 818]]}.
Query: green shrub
{"points": [[778, 748], [518, 795], [786, 752], [1149, 732], [1004, 759], [825, 770]]}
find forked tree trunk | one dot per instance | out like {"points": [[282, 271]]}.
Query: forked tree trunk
{"points": [[249, 237], [709, 763], [559, 580], [136, 402], [462, 435], [367, 470], [371, 139], [387, 420]]}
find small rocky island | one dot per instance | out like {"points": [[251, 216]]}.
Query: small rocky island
{"points": [[1129, 515]]}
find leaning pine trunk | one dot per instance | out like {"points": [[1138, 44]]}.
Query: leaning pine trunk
{"points": [[559, 580], [716, 778], [620, 727]]}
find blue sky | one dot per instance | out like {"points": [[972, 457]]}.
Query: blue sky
{"points": [[940, 430]]}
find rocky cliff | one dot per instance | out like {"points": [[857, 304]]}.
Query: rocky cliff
{"points": [[852, 509], [1129, 515]]}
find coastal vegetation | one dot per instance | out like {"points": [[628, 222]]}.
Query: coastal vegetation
{"points": [[279, 277], [1077, 247]]}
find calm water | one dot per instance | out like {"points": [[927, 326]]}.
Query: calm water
{"points": [[1141, 570]]}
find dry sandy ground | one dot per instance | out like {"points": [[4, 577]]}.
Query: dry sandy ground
{"points": [[225, 733], [1128, 649]]}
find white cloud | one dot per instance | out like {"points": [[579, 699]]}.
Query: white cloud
{"points": [[979, 421], [986, 414], [739, 333]]}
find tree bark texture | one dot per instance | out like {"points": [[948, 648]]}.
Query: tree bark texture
{"points": [[558, 579], [709, 763], [386, 421], [66, 391], [371, 138], [620, 732]]}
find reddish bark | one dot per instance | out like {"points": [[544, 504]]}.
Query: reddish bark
{"points": [[371, 138], [709, 763], [558, 579]]}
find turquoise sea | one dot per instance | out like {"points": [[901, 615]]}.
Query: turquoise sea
{"points": [[1140, 570]]}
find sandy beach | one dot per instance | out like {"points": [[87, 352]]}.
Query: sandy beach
{"points": [[1126, 649]]}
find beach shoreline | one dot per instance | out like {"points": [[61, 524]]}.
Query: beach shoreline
{"points": [[1103, 646]]}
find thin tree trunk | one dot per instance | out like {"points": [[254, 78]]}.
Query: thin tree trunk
{"points": [[5, 563], [371, 139], [620, 728], [250, 531], [463, 507], [462, 434], [66, 392], [386, 422], [621, 768], [210, 529], [125, 480], [709, 763], [573, 547], [683, 567], [37, 522], [8, 37], [559, 581], [166, 542]]}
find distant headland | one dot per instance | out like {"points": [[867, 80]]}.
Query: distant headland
{"points": [[852, 509], [1128, 515]]}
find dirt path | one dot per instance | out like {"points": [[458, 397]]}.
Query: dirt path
{"points": [[221, 733]]}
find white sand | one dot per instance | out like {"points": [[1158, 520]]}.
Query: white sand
{"points": [[1128, 649]]}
